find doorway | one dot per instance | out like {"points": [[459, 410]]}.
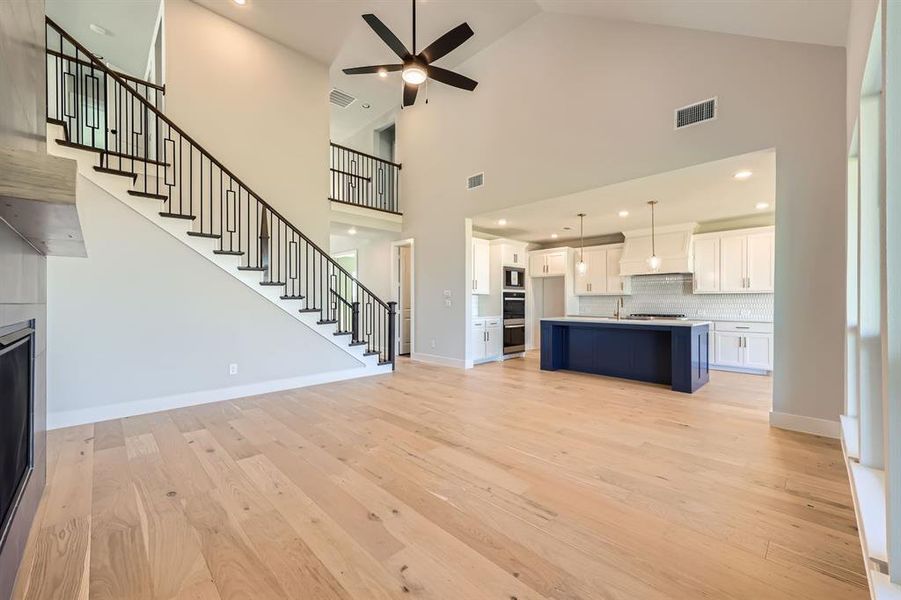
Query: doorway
{"points": [[402, 292]]}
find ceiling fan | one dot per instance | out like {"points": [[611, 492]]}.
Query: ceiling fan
{"points": [[416, 68]]}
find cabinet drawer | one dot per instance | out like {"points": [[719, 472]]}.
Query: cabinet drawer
{"points": [[478, 322], [743, 327], [492, 322]]}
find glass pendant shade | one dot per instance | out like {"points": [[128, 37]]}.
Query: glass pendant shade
{"points": [[582, 267], [654, 262]]}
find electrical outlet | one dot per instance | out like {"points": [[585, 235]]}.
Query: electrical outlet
{"points": [[447, 302], [447, 293], [433, 343], [233, 369]]}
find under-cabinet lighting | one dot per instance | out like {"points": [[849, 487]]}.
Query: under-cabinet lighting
{"points": [[742, 175]]}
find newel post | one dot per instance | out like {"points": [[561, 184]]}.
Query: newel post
{"points": [[392, 330]]}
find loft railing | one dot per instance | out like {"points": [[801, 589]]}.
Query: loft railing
{"points": [[364, 180], [103, 112]]}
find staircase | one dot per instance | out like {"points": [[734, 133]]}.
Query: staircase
{"points": [[113, 127]]}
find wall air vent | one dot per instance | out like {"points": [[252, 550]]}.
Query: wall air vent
{"points": [[475, 181], [696, 113], [340, 99]]}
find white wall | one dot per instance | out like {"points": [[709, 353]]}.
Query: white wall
{"points": [[373, 258], [259, 107], [860, 31], [144, 317], [607, 117]]}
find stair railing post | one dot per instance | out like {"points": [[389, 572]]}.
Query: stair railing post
{"points": [[392, 316], [355, 322]]}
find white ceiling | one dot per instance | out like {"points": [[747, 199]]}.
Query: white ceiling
{"points": [[806, 21], [706, 192], [129, 24]]}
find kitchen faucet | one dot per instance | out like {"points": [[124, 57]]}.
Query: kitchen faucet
{"points": [[620, 305]]}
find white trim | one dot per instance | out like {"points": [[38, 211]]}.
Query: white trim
{"points": [[812, 425], [95, 414], [411, 242], [850, 437], [444, 361], [745, 370]]}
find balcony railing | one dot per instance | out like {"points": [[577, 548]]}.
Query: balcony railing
{"points": [[364, 180]]}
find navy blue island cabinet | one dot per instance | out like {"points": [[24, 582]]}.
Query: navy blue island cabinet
{"points": [[668, 352]]}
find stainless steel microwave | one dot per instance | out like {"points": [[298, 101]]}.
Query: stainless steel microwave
{"points": [[514, 278]]}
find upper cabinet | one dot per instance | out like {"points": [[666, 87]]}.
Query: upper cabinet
{"points": [[513, 255], [731, 262], [602, 275], [481, 266], [548, 263]]}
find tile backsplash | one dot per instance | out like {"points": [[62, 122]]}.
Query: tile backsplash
{"points": [[673, 294]]}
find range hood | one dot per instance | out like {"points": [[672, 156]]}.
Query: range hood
{"points": [[674, 248]]}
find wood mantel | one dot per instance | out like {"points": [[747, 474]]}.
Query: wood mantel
{"points": [[37, 199]]}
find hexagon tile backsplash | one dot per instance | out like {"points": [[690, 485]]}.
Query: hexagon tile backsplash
{"points": [[672, 294]]}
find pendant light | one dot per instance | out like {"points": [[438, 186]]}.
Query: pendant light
{"points": [[653, 260], [582, 267]]}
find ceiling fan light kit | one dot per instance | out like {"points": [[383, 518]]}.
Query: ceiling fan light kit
{"points": [[416, 69]]}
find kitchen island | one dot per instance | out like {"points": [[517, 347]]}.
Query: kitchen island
{"points": [[663, 351]]}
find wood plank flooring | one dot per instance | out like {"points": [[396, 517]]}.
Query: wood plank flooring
{"points": [[502, 482]]}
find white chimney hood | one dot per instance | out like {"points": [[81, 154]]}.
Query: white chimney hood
{"points": [[674, 248]]}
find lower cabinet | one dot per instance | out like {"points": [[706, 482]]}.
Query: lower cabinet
{"points": [[487, 339], [738, 345]]}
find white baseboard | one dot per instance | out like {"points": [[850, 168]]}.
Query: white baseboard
{"points": [[813, 425], [444, 361], [95, 414]]}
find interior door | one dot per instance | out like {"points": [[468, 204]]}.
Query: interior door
{"points": [[732, 263], [404, 300], [761, 262], [729, 350]]}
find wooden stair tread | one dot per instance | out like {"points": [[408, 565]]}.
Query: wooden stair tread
{"points": [[141, 194], [169, 215], [109, 171]]}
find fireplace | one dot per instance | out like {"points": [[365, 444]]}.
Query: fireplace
{"points": [[16, 419]]}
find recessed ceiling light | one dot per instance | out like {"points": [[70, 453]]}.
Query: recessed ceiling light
{"points": [[98, 29], [554, 236], [240, 2], [623, 213], [567, 228], [742, 174], [502, 222], [365, 105], [762, 205], [352, 231]]}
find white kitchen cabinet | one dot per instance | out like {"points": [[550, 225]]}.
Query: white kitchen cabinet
{"points": [[729, 351], [761, 261], [594, 279], [602, 271], [513, 255], [735, 262], [759, 351], [733, 257], [707, 265], [487, 338], [481, 266], [743, 346], [547, 264]]}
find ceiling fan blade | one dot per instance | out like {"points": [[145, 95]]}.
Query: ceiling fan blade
{"points": [[410, 94], [448, 42], [372, 69], [451, 78], [387, 36]]}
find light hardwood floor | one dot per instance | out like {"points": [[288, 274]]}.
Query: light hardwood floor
{"points": [[502, 482]]}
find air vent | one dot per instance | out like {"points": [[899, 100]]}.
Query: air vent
{"points": [[475, 181], [696, 113], [341, 99]]}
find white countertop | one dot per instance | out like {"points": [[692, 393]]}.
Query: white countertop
{"points": [[648, 322]]}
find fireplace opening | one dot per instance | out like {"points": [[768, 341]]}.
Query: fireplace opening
{"points": [[16, 419]]}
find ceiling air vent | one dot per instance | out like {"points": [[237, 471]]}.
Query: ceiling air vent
{"points": [[341, 99], [696, 113], [475, 181]]}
